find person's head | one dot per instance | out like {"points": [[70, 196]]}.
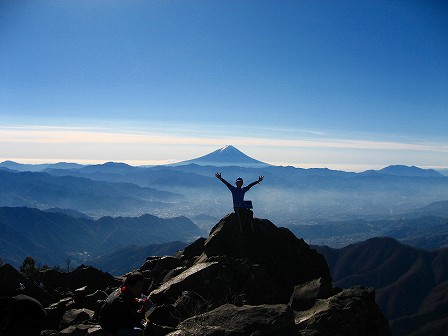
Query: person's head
{"points": [[239, 182], [134, 283]]}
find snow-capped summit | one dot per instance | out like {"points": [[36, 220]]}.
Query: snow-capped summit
{"points": [[226, 156]]}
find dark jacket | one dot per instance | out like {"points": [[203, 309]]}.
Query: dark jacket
{"points": [[238, 193], [121, 310]]}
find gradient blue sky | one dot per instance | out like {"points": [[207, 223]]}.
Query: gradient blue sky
{"points": [[346, 85]]}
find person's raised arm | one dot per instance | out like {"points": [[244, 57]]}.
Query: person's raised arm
{"points": [[260, 178], [219, 177]]}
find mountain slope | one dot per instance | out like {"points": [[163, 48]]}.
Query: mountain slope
{"points": [[46, 191], [408, 282], [401, 170], [420, 229], [53, 237], [439, 209]]}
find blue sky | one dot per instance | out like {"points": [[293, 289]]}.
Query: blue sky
{"points": [[347, 85]]}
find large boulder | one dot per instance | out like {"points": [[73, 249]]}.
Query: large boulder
{"points": [[193, 250], [90, 277], [76, 316], [158, 268], [352, 312], [287, 259], [197, 276], [305, 295], [222, 279], [57, 310], [53, 279]]}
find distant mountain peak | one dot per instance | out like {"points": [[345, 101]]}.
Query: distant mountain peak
{"points": [[227, 147], [226, 156], [38, 167], [402, 170]]}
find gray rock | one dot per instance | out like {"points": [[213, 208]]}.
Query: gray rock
{"points": [[305, 295], [287, 259], [158, 265], [96, 330], [174, 272], [76, 316], [222, 280], [352, 312], [75, 330], [91, 301], [198, 275], [229, 320], [90, 277]]}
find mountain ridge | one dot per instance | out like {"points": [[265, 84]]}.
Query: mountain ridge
{"points": [[403, 170], [53, 237], [43, 190], [225, 156], [406, 279]]}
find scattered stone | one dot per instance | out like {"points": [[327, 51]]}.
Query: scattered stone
{"points": [[76, 316], [248, 277]]}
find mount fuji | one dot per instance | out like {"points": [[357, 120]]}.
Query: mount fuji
{"points": [[226, 156]]}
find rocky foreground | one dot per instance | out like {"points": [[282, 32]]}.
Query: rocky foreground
{"points": [[248, 277]]}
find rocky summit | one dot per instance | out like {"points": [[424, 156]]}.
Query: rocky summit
{"points": [[248, 277]]}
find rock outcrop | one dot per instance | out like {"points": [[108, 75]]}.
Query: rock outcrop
{"points": [[248, 277]]}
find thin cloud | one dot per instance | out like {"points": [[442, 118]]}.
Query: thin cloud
{"points": [[61, 135]]}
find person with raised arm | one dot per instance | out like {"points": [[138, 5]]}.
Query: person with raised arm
{"points": [[238, 191]]}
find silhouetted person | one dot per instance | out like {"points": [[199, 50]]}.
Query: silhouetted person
{"points": [[123, 312], [238, 191], [21, 315]]}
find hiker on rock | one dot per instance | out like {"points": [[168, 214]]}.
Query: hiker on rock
{"points": [[123, 311], [238, 191]]}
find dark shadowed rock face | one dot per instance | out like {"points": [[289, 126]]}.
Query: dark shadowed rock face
{"points": [[90, 277], [11, 280], [289, 260]]}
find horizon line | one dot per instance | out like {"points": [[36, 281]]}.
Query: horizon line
{"points": [[152, 163]]}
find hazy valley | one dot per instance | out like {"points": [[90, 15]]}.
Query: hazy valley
{"points": [[323, 206], [113, 216], [289, 195]]}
